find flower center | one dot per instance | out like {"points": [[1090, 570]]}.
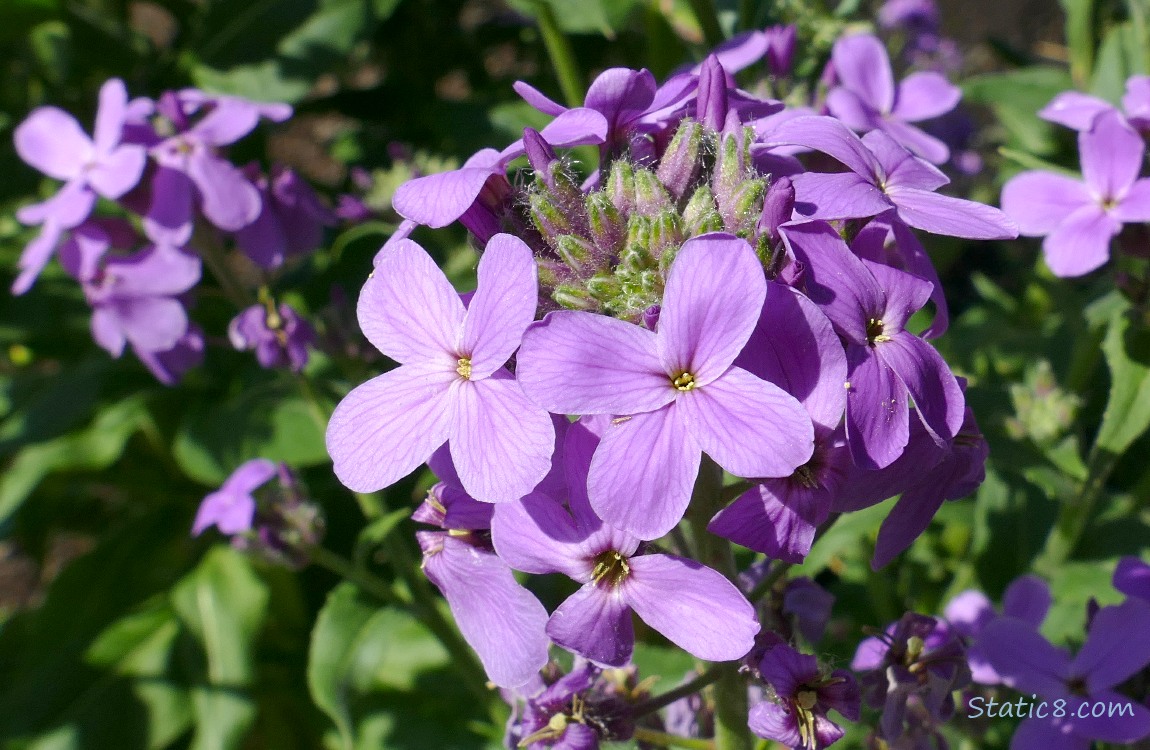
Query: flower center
{"points": [[611, 568], [806, 699], [805, 476], [684, 381], [464, 368], [874, 331]]}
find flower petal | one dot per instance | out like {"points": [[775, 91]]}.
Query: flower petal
{"points": [[386, 427], [878, 416], [250, 475], [712, 301], [538, 99], [925, 374], [1075, 110], [408, 309], [1028, 599], [110, 116], [952, 217], [905, 523], [503, 305], [862, 65], [924, 95], [774, 518], [843, 195], [1110, 655], [830, 136], [695, 607], [1039, 201], [118, 172], [1081, 243], [1132, 577], [538, 535], [850, 108], [1044, 733], [1135, 205], [169, 217], [595, 623], [51, 141], [772, 721], [436, 200], [1026, 661], [1111, 154], [580, 363], [229, 200], [917, 141]]}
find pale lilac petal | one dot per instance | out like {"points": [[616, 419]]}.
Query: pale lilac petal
{"points": [[712, 301], [843, 195], [774, 722], [695, 607], [500, 619], [1039, 201], [1136, 101], [919, 263], [902, 167], [51, 141], [538, 99], [905, 294], [110, 116], [250, 476], [969, 612], [69, 207], [751, 428], [153, 324], [35, 257], [1081, 243], [595, 622], [580, 363], [620, 94], [924, 95], [1132, 577], [408, 309], [229, 512], [107, 331], [878, 417], [386, 427], [1110, 655], [953, 217], [169, 217], [862, 65], [937, 396], [229, 121], [849, 107], [1075, 110], [503, 305], [229, 200], [835, 279], [436, 200], [1111, 154], [500, 442], [830, 136], [1043, 734], [905, 523], [159, 271], [1028, 599], [1026, 661], [579, 126], [1135, 205], [119, 171], [740, 51], [538, 535], [643, 471]]}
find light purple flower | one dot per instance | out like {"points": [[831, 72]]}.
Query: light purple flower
{"points": [[677, 389], [1079, 218], [869, 304], [884, 176], [868, 98], [695, 607], [1112, 653], [232, 508], [1026, 599], [796, 714], [451, 386], [500, 619], [53, 142], [279, 336], [1080, 112]]}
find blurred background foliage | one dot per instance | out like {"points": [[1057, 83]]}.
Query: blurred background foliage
{"points": [[118, 630]]}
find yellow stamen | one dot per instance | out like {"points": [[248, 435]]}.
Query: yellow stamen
{"points": [[611, 567], [464, 368], [684, 382], [874, 331]]}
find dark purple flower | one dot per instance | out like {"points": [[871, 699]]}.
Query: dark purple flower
{"points": [[809, 605], [677, 386], [802, 693], [1077, 218], [291, 219], [780, 49], [693, 606], [51, 140], [1132, 577], [575, 712], [1027, 599], [232, 508], [868, 98], [279, 336], [170, 365]]}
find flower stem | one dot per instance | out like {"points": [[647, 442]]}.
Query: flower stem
{"points": [[347, 570], [778, 570], [207, 241], [663, 700], [662, 739], [730, 690], [1074, 517], [708, 19], [559, 50]]}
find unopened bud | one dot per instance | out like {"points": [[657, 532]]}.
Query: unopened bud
{"points": [[700, 216], [711, 105], [604, 222], [650, 195], [574, 298], [679, 168], [575, 251], [778, 205], [548, 217], [621, 186]]}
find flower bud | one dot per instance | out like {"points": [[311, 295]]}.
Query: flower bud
{"points": [[679, 168], [711, 105]]}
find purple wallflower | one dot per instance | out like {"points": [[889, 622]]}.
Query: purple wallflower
{"points": [[498, 618], [780, 48], [883, 177], [695, 607], [1112, 653], [291, 220], [279, 336], [53, 142], [795, 347], [1079, 111], [869, 304], [1026, 599], [868, 99], [677, 385], [232, 508], [170, 365], [1077, 218], [451, 385], [796, 713], [809, 605], [1132, 577], [575, 712]]}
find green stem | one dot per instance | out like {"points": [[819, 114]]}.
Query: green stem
{"points": [[662, 739], [653, 704], [207, 241], [746, 15], [559, 50], [1074, 517], [778, 570], [730, 690], [347, 570], [708, 19]]}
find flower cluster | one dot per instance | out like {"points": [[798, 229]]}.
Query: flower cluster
{"points": [[171, 197]]}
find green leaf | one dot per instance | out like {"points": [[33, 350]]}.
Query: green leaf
{"points": [[1127, 415], [1119, 57], [584, 16], [1016, 96], [1080, 36], [334, 641], [222, 603]]}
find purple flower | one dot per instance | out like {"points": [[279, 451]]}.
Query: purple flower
{"points": [[451, 385], [780, 49], [695, 607], [1132, 577], [1026, 599], [869, 304], [170, 365], [1079, 111], [810, 606], [884, 176], [795, 347], [291, 220], [53, 142], [232, 508], [1113, 652], [868, 98], [134, 297], [1079, 218], [795, 714], [278, 335], [498, 618], [677, 388], [574, 712]]}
